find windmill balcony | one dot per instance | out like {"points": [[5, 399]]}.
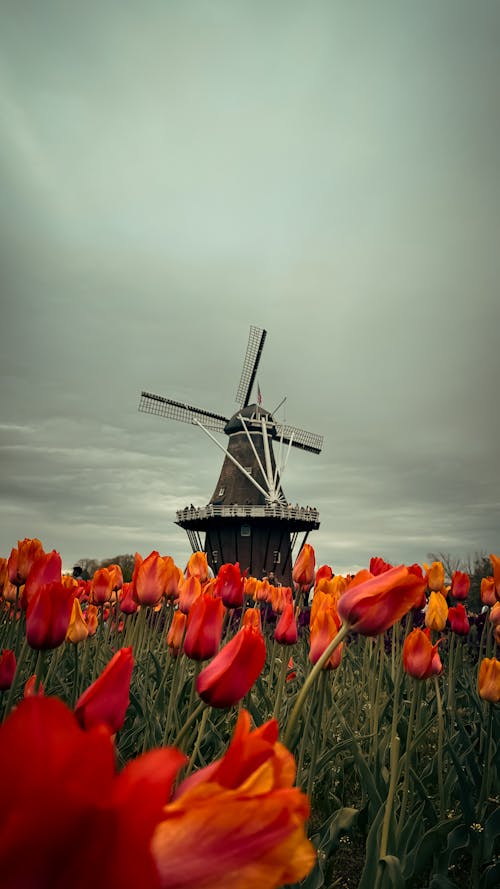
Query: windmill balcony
{"points": [[302, 515]]}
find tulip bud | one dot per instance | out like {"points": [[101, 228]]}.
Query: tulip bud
{"points": [[437, 612], [420, 657], [176, 633], [303, 570], [286, 629], [460, 585], [48, 616], [204, 628], [233, 671], [77, 630], [489, 680], [458, 620]]}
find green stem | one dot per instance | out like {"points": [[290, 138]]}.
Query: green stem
{"points": [[281, 682], [439, 705], [317, 734], [311, 678], [189, 721], [415, 701], [199, 737], [483, 795]]}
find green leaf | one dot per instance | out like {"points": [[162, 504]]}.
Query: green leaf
{"points": [[418, 859], [392, 875], [491, 832], [491, 877]]}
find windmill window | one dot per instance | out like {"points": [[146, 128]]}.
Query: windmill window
{"points": [[215, 555], [222, 491], [245, 531], [276, 557], [248, 469]]}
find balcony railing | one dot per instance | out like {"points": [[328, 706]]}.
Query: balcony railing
{"points": [[271, 510]]}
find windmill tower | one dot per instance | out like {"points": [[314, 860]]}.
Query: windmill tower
{"points": [[248, 519]]}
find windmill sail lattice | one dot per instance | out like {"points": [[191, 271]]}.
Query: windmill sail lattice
{"points": [[248, 518]]}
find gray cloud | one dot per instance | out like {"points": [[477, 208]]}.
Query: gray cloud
{"points": [[171, 176]]}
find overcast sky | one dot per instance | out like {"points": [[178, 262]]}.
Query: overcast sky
{"points": [[173, 172]]}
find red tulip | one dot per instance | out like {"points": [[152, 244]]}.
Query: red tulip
{"points": [[420, 656], [62, 789], [325, 572], [230, 585], [233, 671], [45, 569], [204, 628], [127, 603], [458, 620], [379, 566], [105, 702], [460, 585], [48, 616], [286, 629], [7, 669], [370, 605]]}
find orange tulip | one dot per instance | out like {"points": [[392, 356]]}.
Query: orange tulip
{"points": [[101, 586], [239, 822], [250, 586], [173, 578], [77, 630], [324, 627], [323, 573], [22, 558], [460, 585], [204, 628], [105, 702], [189, 591], [435, 577], [251, 618], [372, 604], [488, 596], [175, 634], [116, 577], [198, 567], [303, 570], [495, 614], [150, 578], [92, 619], [495, 561], [233, 671], [286, 632], [489, 680], [281, 596], [437, 612], [420, 656]]}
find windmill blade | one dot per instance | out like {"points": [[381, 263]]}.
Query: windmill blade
{"points": [[255, 345], [307, 441], [176, 410]]}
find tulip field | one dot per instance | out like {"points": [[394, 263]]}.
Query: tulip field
{"points": [[184, 731]]}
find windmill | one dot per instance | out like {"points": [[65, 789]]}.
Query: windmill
{"points": [[248, 519]]}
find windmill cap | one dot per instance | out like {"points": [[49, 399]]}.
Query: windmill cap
{"points": [[252, 414]]}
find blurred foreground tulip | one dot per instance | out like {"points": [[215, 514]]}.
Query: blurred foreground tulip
{"points": [[239, 822], [489, 680], [303, 570], [370, 605], [7, 669], [48, 616], [233, 671], [420, 657], [105, 702], [61, 788], [379, 566]]}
